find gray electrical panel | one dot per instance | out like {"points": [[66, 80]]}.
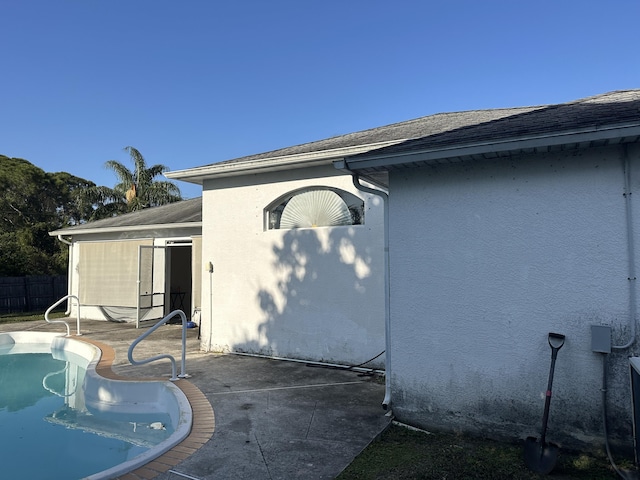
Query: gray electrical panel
{"points": [[601, 338]]}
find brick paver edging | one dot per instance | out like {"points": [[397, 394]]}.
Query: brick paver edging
{"points": [[202, 427]]}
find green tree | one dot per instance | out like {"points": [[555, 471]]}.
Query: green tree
{"points": [[72, 209], [26, 197], [32, 203], [136, 189]]}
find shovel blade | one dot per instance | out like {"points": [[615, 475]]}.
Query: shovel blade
{"points": [[539, 457]]}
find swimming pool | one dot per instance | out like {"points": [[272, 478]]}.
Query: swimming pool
{"points": [[61, 420]]}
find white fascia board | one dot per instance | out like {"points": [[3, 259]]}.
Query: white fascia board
{"points": [[521, 143], [128, 228], [273, 164]]}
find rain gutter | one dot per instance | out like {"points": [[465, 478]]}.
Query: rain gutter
{"points": [[433, 155], [273, 164], [125, 228]]}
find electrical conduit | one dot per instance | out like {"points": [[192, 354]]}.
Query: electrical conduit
{"points": [[631, 252]]}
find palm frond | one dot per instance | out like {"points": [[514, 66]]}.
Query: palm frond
{"points": [[137, 188], [139, 164], [157, 170], [125, 176], [161, 193]]}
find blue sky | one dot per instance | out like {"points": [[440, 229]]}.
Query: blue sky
{"points": [[194, 82]]}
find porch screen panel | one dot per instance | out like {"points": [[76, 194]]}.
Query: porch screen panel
{"points": [[108, 272], [146, 277], [196, 270]]}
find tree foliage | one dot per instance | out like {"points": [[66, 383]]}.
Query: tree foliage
{"points": [[136, 189], [34, 202]]}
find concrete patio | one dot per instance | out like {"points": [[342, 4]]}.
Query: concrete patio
{"points": [[274, 419]]}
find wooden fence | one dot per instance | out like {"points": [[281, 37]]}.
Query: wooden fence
{"points": [[31, 294]]}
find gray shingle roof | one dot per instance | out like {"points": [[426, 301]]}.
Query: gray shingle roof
{"points": [[619, 108], [415, 128], [185, 211], [470, 126]]}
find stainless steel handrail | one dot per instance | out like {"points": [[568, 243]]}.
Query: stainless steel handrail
{"points": [[46, 314], [174, 377]]}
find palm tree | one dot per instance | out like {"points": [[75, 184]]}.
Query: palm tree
{"points": [[136, 189], [139, 187]]}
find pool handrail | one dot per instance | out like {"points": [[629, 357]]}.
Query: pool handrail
{"points": [[168, 317], [46, 314]]}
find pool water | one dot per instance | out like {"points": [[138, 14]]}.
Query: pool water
{"points": [[47, 429]]}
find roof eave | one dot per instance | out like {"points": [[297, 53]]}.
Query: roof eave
{"points": [[274, 164], [125, 228], [434, 155]]}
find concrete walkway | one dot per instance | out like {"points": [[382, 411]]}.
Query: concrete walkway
{"points": [[273, 419]]}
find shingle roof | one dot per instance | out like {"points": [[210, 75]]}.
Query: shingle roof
{"points": [[600, 112], [433, 131], [409, 129], [185, 211]]}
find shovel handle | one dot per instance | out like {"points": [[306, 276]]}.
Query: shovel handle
{"points": [[556, 340]]}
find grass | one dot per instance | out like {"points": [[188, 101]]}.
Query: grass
{"points": [[28, 317], [401, 453]]}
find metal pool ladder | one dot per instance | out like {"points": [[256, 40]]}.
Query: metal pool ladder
{"points": [[174, 377], [46, 314]]}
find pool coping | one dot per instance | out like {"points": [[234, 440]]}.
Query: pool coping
{"points": [[202, 426]]}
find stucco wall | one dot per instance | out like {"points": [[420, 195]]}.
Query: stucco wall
{"points": [[486, 260], [312, 294]]}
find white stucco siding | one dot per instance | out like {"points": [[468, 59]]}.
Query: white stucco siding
{"points": [[486, 260], [303, 293]]}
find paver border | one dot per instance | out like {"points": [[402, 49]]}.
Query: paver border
{"points": [[202, 426]]}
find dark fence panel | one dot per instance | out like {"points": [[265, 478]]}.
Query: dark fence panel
{"points": [[31, 294]]}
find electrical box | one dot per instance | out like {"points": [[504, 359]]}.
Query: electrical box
{"points": [[601, 338]]}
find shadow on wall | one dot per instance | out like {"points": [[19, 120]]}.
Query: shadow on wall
{"points": [[327, 303]]}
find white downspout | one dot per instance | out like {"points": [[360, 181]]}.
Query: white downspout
{"points": [[386, 402], [342, 165], [69, 272]]}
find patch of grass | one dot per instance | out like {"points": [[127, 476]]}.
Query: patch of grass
{"points": [[401, 453], [28, 317]]}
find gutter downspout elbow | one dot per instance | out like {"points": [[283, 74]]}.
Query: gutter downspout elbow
{"points": [[66, 242], [342, 165]]}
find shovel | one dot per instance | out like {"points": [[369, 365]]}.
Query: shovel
{"points": [[540, 456]]}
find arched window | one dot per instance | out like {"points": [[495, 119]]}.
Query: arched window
{"points": [[315, 207]]}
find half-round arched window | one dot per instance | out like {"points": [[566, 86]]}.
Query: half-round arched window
{"points": [[315, 207]]}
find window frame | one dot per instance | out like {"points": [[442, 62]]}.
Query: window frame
{"points": [[273, 211]]}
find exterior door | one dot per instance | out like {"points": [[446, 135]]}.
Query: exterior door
{"points": [[151, 284]]}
